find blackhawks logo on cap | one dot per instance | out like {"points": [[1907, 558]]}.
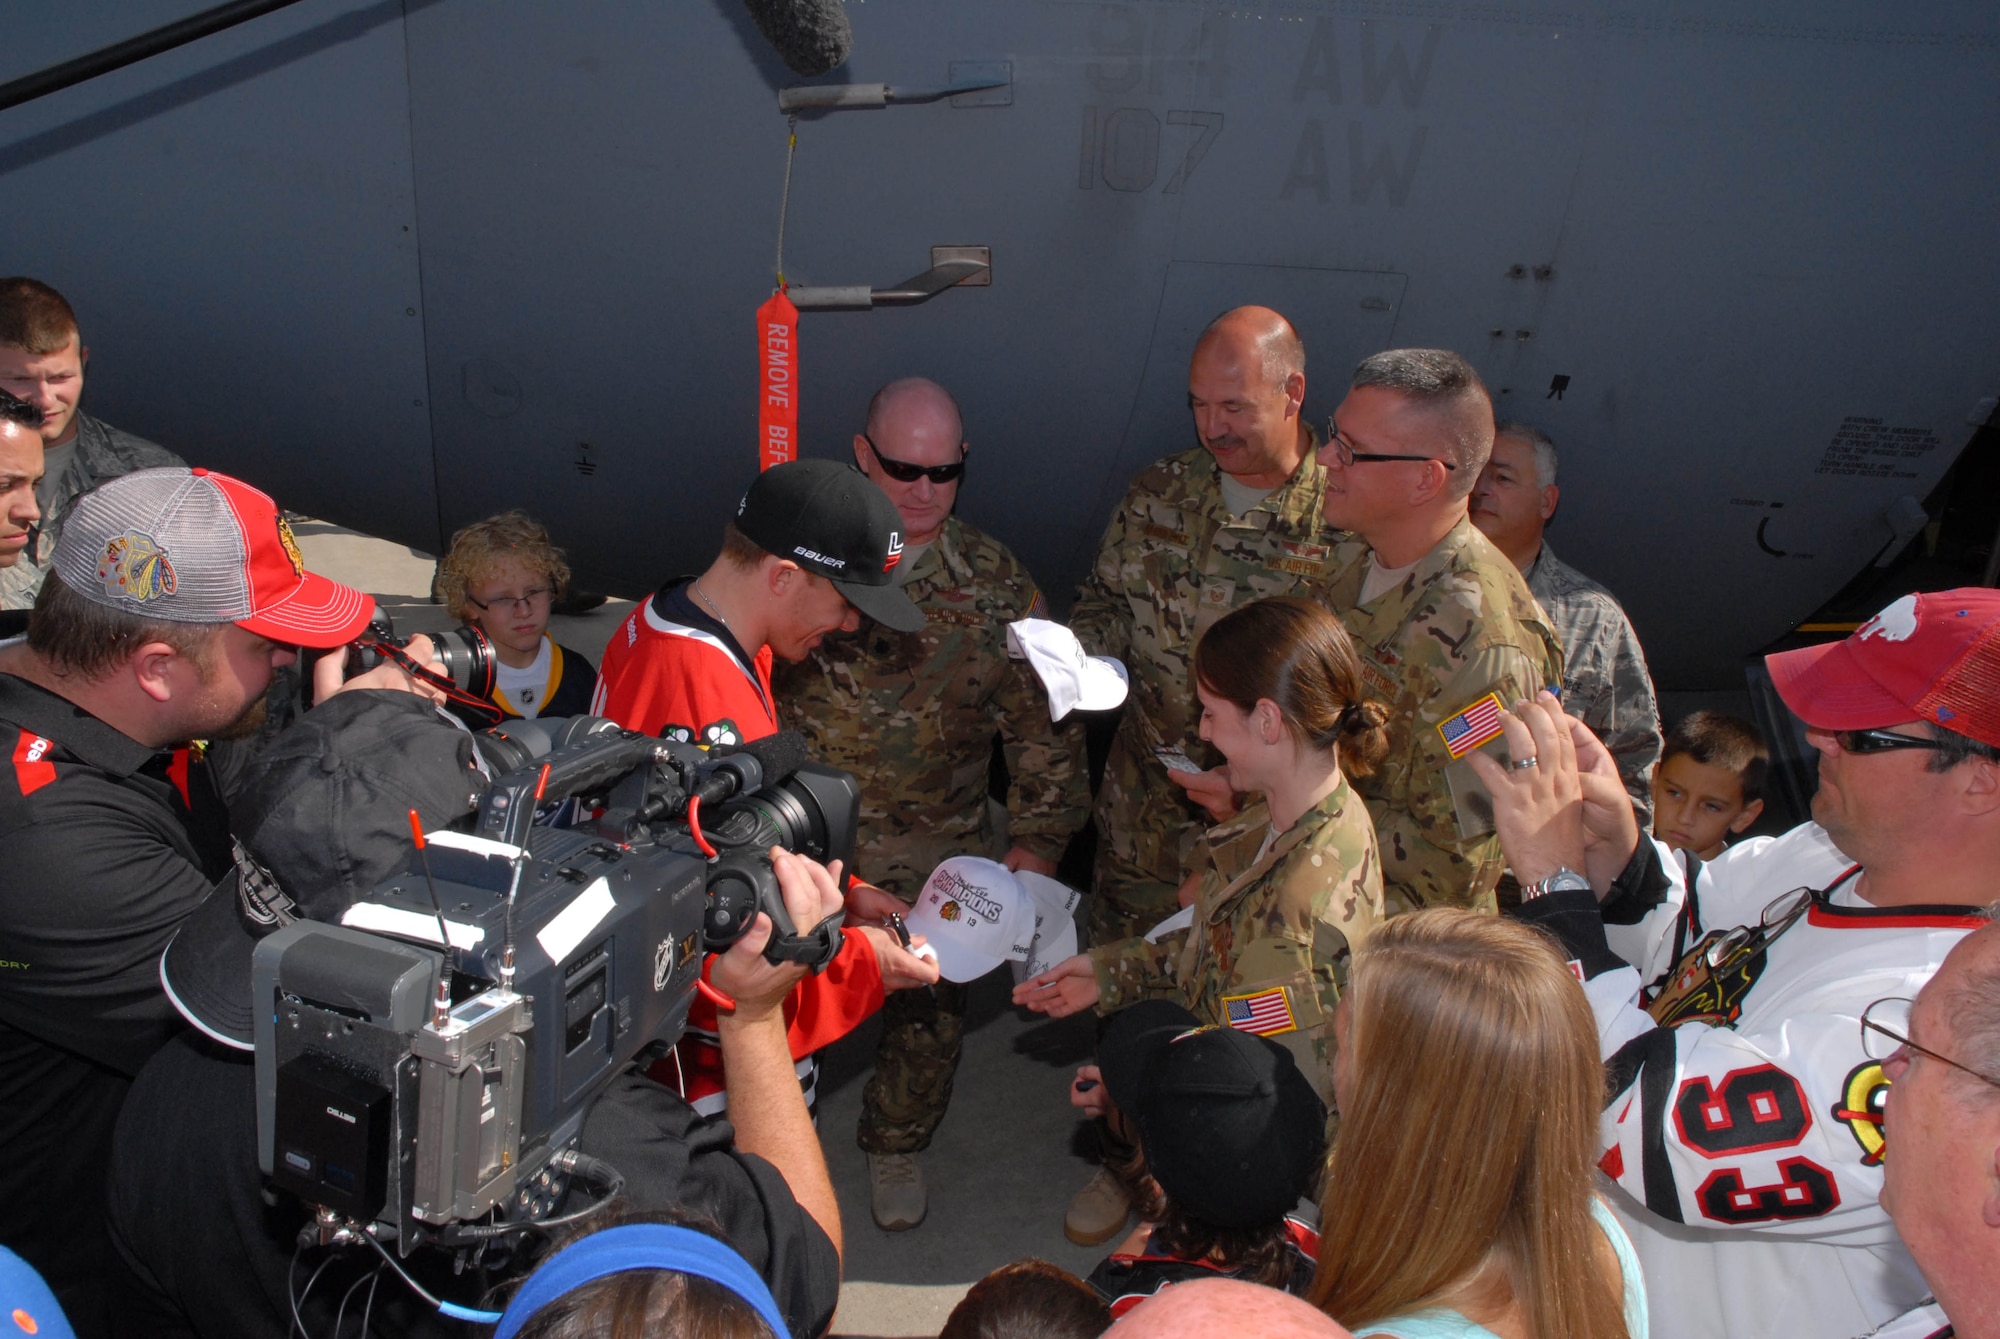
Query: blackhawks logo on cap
{"points": [[948, 912], [134, 567], [291, 546]]}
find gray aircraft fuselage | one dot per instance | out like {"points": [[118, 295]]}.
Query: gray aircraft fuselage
{"points": [[405, 263]]}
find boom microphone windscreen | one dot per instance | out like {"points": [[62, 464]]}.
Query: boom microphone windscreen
{"points": [[779, 755], [811, 36]]}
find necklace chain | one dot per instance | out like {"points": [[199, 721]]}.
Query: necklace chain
{"points": [[702, 595]]}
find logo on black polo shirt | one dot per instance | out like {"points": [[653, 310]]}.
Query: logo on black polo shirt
{"points": [[258, 897]]}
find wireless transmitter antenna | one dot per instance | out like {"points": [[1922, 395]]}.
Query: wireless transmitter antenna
{"points": [[441, 1006]]}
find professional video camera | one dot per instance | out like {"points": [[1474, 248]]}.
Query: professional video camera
{"points": [[440, 1095]]}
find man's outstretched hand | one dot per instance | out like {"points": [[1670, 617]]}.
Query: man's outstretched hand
{"points": [[1568, 810]]}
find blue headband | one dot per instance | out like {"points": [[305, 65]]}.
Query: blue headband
{"points": [[640, 1246]]}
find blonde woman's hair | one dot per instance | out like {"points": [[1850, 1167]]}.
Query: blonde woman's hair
{"points": [[484, 545], [1468, 1142]]}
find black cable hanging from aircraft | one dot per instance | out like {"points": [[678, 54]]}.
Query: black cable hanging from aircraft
{"points": [[134, 49]]}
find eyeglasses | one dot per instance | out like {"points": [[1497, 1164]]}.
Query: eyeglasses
{"points": [[902, 471], [1885, 1030], [1880, 741], [1343, 447], [525, 602]]}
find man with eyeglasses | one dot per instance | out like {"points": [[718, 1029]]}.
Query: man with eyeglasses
{"points": [[1745, 1126], [1445, 626], [1941, 1056], [915, 716]]}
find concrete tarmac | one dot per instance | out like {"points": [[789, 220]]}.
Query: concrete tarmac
{"points": [[1008, 1155]]}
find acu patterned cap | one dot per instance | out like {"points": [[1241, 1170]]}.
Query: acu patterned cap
{"points": [[189, 546], [1933, 656]]}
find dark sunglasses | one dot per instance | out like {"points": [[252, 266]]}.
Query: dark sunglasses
{"points": [[1880, 741], [1343, 447], [902, 471]]}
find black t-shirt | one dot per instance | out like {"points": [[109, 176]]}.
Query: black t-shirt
{"points": [[108, 845], [206, 1255]]}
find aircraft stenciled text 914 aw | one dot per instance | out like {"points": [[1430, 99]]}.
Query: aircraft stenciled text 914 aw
{"points": [[410, 262]]}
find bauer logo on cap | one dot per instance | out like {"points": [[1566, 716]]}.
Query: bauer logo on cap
{"points": [[895, 551], [134, 567]]}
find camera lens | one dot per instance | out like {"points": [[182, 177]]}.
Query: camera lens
{"points": [[467, 657]]}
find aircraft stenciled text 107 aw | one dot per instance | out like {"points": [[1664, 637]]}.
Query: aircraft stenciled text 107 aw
{"points": [[409, 262]]}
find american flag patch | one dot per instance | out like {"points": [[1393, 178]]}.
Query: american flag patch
{"points": [[1263, 1013], [1472, 727]]}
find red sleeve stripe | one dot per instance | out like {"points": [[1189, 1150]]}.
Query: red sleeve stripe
{"points": [[32, 768]]}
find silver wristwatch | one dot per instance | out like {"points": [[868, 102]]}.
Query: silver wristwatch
{"points": [[1564, 880]]}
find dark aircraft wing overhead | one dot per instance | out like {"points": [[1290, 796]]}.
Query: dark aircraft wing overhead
{"points": [[408, 262]]}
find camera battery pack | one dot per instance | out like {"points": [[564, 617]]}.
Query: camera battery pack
{"points": [[332, 1137]]}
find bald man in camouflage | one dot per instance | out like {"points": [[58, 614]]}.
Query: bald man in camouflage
{"points": [[915, 716], [1199, 533]]}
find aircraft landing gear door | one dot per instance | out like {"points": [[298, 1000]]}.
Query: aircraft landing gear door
{"points": [[1343, 316]]}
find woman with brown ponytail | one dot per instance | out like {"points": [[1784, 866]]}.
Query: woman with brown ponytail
{"points": [[1281, 894]]}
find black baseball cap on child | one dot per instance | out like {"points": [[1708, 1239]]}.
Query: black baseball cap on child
{"points": [[1231, 1129], [831, 520]]}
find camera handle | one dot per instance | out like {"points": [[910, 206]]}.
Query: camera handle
{"points": [[742, 883]]}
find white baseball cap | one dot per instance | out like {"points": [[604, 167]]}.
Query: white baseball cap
{"points": [[1055, 923], [976, 915], [1073, 679]]}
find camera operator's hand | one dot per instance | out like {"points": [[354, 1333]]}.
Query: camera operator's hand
{"points": [[901, 968], [328, 669], [1067, 988], [765, 1104], [812, 893]]}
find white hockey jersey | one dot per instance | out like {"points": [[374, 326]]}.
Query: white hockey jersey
{"points": [[1749, 1153]]}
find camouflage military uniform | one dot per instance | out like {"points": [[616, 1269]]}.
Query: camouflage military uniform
{"points": [[1461, 625], [1272, 935], [913, 715], [1172, 562], [1605, 681]]}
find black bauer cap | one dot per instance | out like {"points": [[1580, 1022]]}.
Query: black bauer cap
{"points": [[831, 520]]}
